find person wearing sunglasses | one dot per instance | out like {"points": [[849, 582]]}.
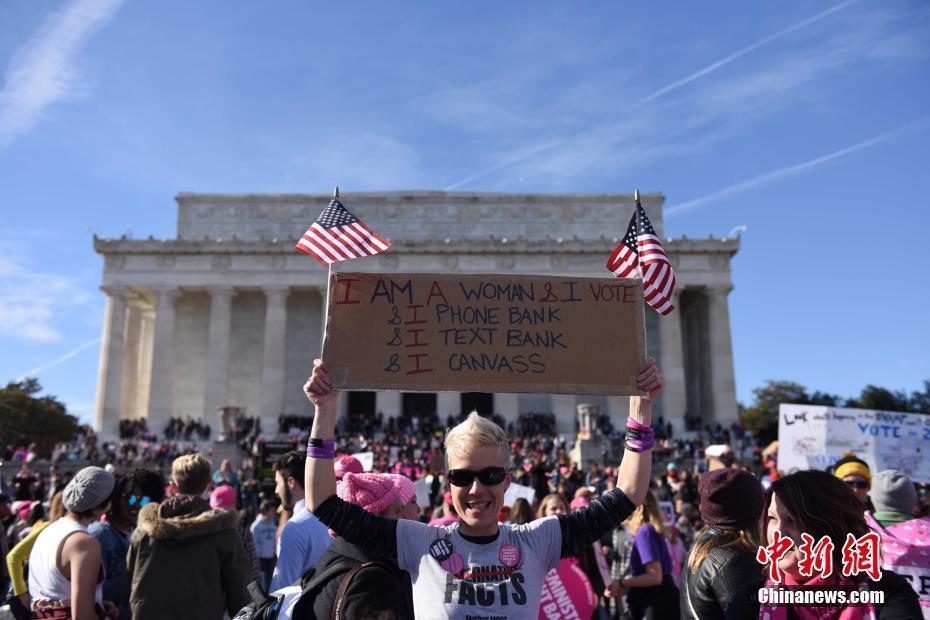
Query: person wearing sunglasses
{"points": [[856, 473], [476, 566], [130, 494]]}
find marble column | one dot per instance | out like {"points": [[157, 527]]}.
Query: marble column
{"points": [[507, 405], [161, 385], [219, 339], [144, 360], [131, 350], [388, 403], [275, 357], [566, 414], [110, 373], [672, 363], [723, 379], [448, 402]]}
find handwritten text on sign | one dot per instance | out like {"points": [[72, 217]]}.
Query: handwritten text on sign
{"points": [[484, 333], [815, 437]]}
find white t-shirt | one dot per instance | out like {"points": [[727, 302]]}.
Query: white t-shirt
{"points": [[455, 578]]}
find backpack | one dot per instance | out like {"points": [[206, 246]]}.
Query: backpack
{"points": [[272, 606]]}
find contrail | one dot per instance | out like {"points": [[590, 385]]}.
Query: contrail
{"points": [[768, 177], [739, 54], [666, 89], [58, 360]]}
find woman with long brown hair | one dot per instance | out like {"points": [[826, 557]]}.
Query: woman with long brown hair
{"points": [[818, 504], [650, 590], [723, 558]]}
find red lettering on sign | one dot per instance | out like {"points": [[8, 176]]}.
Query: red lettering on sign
{"points": [[416, 360], [348, 284], [436, 291], [415, 320], [550, 296], [416, 338]]}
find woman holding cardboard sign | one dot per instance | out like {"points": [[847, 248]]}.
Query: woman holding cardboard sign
{"points": [[476, 566]]}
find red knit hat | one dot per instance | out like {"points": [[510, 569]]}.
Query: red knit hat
{"points": [[375, 492], [731, 499]]}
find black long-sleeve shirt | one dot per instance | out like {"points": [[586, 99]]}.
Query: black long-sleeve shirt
{"points": [[378, 535]]}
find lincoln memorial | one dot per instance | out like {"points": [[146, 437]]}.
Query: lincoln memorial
{"points": [[229, 314]]}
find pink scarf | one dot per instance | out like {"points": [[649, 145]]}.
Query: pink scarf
{"points": [[769, 611]]}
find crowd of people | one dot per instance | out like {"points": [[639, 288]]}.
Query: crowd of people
{"points": [[671, 530]]}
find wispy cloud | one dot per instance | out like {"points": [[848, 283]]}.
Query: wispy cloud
{"points": [[31, 298], [360, 161], [528, 153], [795, 169], [42, 71], [34, 372]]}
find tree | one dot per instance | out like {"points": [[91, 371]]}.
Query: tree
{"points": [[761, 417], [874, 397], [920, 401], [27, 418]]}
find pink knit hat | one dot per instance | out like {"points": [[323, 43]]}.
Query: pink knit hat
{"points": [[347, 464], [223, 497], [375, 492], [579, 502]]}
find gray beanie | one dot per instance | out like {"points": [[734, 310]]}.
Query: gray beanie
{"points": [[89, 488], [892, 491]]}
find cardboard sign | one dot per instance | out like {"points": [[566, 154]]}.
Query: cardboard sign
{"points": [[485, 333], [815, 437], [518, 490]]}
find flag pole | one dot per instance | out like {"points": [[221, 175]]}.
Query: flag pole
{"points": [[329, 275], [636, 195]]}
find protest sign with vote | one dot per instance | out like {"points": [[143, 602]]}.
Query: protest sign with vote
{"points": [[815, 437], [485, 333]]}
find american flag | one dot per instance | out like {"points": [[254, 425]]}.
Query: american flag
{"points": [[640, 255], [337, 235]]}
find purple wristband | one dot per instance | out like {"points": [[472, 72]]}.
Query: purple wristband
{"points": [[639, 426], [320, 453], [635, 448], [632, 433]]}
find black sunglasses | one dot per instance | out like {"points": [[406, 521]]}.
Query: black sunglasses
{"points": [[858, 484], [489, 476]]}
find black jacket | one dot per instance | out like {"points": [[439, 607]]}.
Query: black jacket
{"points": [[372, 590], [186, 561], [901, 602], [722, 573]]}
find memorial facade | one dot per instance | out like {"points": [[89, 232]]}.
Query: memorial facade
{"points": [[229, 314]]}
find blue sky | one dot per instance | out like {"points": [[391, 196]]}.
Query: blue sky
{"points": [[807, 123]]}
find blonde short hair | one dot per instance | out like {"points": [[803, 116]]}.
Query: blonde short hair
{"points": [[477, 431], [191, 473]]}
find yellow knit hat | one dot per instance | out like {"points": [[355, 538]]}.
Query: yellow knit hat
{"points": [[852, 466]]}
